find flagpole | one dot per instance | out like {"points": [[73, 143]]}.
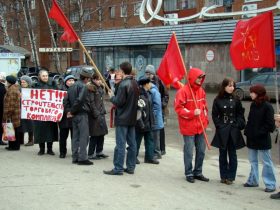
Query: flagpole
{"points": [[194, 99], [93, 64]]}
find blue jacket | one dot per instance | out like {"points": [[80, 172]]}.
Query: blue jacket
{"points": [[157, 109]]}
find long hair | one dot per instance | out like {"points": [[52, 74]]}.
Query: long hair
{"points": [[225, 83], [261, 93]]}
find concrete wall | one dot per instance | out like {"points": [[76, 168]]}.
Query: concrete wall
{"points": [[217, 69]]}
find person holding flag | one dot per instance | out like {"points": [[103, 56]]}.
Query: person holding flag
{"points": [[191, 107]]}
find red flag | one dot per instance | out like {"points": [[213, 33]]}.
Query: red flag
{"points": [[56, 13], [253, 43], [172, 69]]}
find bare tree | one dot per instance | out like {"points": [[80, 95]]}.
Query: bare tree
{"points": [[55, 54], [3, 9], [30, 31]]}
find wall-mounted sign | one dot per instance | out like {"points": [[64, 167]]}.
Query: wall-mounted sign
{"points": [[56, 49], [210, 55], [247, 1]]}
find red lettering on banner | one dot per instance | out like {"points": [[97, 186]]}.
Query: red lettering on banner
{"points": [[50, 91], [42, 94], [34, 94]]}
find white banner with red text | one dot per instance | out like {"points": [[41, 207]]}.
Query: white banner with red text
{"points": [[42, 104]]}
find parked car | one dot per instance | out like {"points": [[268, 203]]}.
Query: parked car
{"points": [[75, 70], [266, 79], [33, 72]]}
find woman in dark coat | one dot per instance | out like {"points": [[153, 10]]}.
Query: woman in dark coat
{"points": [[96, 118], [259, 126], [65, 125], [228, 117], [45, 131]]}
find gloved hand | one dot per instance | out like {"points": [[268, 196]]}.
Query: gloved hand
{"points": [[197, 112]]}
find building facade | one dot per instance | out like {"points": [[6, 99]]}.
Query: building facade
{"points": [[112, 32]]}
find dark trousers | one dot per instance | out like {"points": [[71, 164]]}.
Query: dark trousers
{"points": [[21, 137], [15, 144], [95, 145], [228, 161], [162, 140], [63, 135], [49, 146], [149, 144]]}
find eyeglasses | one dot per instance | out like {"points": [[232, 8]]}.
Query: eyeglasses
{"points": [[201, 76]]}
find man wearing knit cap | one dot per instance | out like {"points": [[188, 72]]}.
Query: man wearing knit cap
{"points": [[65, 125], [164, 95], [75, 107], [11, 110], [2, 94]]}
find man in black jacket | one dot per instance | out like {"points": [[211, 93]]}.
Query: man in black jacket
{"points": [[125, 120], [75, 106]]}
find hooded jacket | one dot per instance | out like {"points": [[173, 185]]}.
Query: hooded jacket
{"points": [[184, 105]]}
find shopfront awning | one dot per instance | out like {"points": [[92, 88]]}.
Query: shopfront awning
{"points": [[14, 49]]}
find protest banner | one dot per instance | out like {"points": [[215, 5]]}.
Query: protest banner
{"points": [[42, 104]]}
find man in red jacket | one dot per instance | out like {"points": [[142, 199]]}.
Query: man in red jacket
{"points": [[188, 112]]}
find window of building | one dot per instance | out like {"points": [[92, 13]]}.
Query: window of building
{"points": [[100, 14], [137, 8], [33, 21], [11, 24], [112, 11], [124, 10], [25, 40], [213, 2], [3, 8], [186, 4], [17, 6], [11, 7], [170, 5], [87, 15], [74, 17], [32, 4]]}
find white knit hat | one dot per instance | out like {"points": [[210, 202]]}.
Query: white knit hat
{"points": [[2, 77]]}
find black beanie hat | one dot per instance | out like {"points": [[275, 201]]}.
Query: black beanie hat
{"points": [[11, 79]]}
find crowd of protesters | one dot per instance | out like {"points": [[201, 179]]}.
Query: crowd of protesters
{"points": [[138, 108]]}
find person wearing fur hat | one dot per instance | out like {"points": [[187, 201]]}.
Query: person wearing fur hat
{"points": [[25, 124], [259, 126], [96, 118], [65, 125], [12, 110], [2, 94]]}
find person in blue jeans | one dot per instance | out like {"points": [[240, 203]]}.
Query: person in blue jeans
{"points": [[125, 100], [259, 126], [191, 107], [145, 121]]}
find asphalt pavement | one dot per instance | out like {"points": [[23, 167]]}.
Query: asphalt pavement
{"points": [[29, 181]]}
